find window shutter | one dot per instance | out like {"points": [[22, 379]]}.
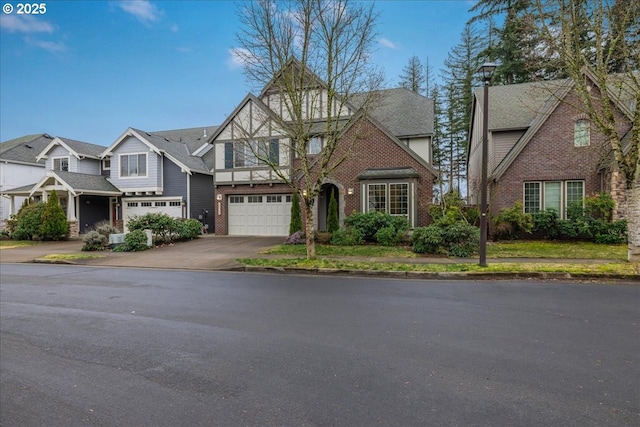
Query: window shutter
{"points": [[228, 155]]}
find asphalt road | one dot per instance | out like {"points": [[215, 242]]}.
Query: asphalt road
{"points": [[138, 347]]}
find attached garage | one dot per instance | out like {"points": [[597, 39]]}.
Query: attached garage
{"points": [[172, 206], [259, 215]]}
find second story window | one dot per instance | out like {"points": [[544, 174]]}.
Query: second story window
{"points": [[251, 154], [315, 145], [133, 165], [61, 164], [581, 133]]}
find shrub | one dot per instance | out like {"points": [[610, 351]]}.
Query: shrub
{"points": [[389, 236], [462, 239], [53, 220], [512, 222], [545, 224], [347, 236], [296, 215], [428, 239], [105, 228], [600, 206], [134, 241], [297, 238], [188, 229], [162, 226], [28, 221], [612, 232], [94, 241], [368, 224], [332, 218]]}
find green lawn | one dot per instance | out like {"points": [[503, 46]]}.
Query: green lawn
{"points": [[519, 249], [612, 258]]}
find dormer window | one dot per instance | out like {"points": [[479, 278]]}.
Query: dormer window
{"points": [[61, 164], [582, 133]]}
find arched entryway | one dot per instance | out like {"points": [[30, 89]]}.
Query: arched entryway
{"points": [[323, 204]]}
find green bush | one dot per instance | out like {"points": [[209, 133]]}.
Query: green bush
{"points": [[512, 223], [28, 221], [600, 206], [332, 219], [296, 215], [428, 240], [94, 241], [612, 232], [389, 236], [545, 224], [134, 241], [53, 224], [368, 224], [347, 236], [188, 229], [462, 239]]}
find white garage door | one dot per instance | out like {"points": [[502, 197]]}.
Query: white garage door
{"points": [[265, 215], [137, 207]]}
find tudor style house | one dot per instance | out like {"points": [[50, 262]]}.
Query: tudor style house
{"points": [[140, 172], [543, 150], [388, 168]]}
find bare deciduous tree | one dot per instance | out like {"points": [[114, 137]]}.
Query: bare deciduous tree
{"points": [[311, 59], [612, 64]]}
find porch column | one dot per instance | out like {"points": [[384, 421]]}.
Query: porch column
{"points": [[71, 207], [12, 205]]}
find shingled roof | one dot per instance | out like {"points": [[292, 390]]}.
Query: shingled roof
{"points": [[193, 137], [403, 112], [25, 149]]}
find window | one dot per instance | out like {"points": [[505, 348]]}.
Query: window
{"points": [[392, 198], [531, 197], [133, 165], [581, 133], [132, 204], [60, 163], [236, 199], [556, 195], [288, 199], [575, 192], [146, 204], [315, 145], [158, 204], [251, 154], [255, 199], [274, 199], [377, 197], [106, 164], [175, 203]]}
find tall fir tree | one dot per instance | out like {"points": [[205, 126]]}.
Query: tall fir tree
{"points": [[413, 75]]}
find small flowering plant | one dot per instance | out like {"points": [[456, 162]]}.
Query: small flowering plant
{"points": [[297, 238]]}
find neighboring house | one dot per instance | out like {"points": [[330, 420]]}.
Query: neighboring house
{"points": [[388, 170], [19, 166], [543, 150], [140, 172], [162, 172]]}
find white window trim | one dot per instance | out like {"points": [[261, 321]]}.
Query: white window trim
{"points": [[53, 163], [563, 195], [387, 185], [104, 168], [146, 175]]}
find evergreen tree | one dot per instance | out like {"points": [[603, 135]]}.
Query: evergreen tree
{"points": [[296, 214], [429, 79], [332, 219], [413, 75], [53, 225]]}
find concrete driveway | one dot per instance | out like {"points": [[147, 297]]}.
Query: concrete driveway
{"points": [[209, 252]]}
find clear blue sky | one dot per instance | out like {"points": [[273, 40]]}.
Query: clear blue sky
{"points": [[87, 70]]}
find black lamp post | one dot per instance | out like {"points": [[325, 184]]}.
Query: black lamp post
{"points": [[486, 70]]}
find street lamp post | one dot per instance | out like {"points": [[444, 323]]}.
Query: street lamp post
{"points": [[486, 70]]}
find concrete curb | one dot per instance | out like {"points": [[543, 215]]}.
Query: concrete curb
{"points": [[429, 275]]}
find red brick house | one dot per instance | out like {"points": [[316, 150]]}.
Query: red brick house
{"points": [[388, 168], [543, 150]]}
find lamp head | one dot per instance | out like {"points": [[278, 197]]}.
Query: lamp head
{"points": [[486, 70]]}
